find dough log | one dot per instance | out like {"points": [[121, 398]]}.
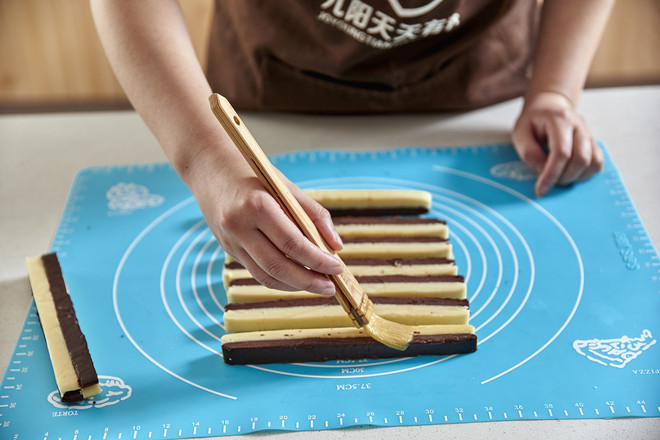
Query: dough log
{"points": [[72, 364], [325, 312], [372, 201], [306, 345]]}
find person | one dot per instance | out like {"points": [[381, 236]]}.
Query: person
{"points": [[347, 56]]}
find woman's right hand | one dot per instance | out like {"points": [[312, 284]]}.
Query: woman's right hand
{"points": [[251, 226]]}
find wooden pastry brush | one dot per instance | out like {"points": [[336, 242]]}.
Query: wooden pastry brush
{"points": [[347, 290]]}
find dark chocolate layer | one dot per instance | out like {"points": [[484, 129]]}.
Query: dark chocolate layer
{"points": [[73, 336], [330, 301], [376, 279], [397, 220], [325, 349], [72, 396]]}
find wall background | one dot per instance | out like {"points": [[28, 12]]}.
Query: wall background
{"points": [[51, 57]]}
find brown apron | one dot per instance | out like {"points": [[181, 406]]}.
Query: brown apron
{"points": [[365, 56]]}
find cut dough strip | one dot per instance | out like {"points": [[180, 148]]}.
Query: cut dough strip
{"points": [[308, 345], [248, 290], [366, 266], [372, 201], [390, 226], [72, 364], [322, 312], [390, 248], [395, 246]]}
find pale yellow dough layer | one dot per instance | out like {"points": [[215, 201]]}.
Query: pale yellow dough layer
{"points": [[370, 198], [65, 374], [412, 270], [258, 293], [384, 229], [396, 250], [344, 332], [278, 318]]}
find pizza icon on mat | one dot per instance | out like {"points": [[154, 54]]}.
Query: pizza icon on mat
{"points": [[614, 352]]}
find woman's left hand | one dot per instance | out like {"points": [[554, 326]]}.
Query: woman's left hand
{"points": [[572, 153]]}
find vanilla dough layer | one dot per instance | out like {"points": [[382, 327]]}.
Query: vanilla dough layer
{"points": [[381, 247], [72, 364]]}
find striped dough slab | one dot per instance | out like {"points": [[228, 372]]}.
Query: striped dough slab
{"points": [[402, 262], [325, 312], [247, 290], [372, 201], [307, 345], [366, 267], [72, 364]]}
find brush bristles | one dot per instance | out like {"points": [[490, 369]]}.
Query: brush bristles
{"points": [[390, 333]]}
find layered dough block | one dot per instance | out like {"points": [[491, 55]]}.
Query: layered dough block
{"points": [[69, 354], [324, 344], [233, 270], [312, 312], [403, 262], [372, 201], [247, 290]]}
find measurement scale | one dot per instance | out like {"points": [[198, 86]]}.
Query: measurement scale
{"points": [[564, 294]]}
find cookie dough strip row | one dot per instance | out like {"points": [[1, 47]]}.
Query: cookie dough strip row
{"points": [[440, 286], [393, 226], [367, 266], [392, 247], [321, 312], [69, 354], [310, 345], [372, 201]]}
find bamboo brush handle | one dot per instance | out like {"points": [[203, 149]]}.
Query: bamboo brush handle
{"points": [[348, 291]]}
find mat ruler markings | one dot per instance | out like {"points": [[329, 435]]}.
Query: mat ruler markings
{"points": [[19, 367], [638, 250], [227, 427]]}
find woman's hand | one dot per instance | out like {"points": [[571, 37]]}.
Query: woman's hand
{"points": [[251, 226], [549, 119]]}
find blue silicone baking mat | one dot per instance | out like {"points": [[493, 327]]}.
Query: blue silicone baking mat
{"points": [[564, 292]]}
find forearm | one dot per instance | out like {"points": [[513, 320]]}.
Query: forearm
{"points": [[149, 48], [148, 45], [568, 38]]}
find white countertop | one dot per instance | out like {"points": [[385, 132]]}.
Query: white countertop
{"points": [[40, 154]]}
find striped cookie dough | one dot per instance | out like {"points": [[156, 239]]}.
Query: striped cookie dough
{"points": [[402, 262], [233, 270], [325, 312], [351, 226], [248, 290], [323, 344], [423, 246], [372, 201], [72, 364]]}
